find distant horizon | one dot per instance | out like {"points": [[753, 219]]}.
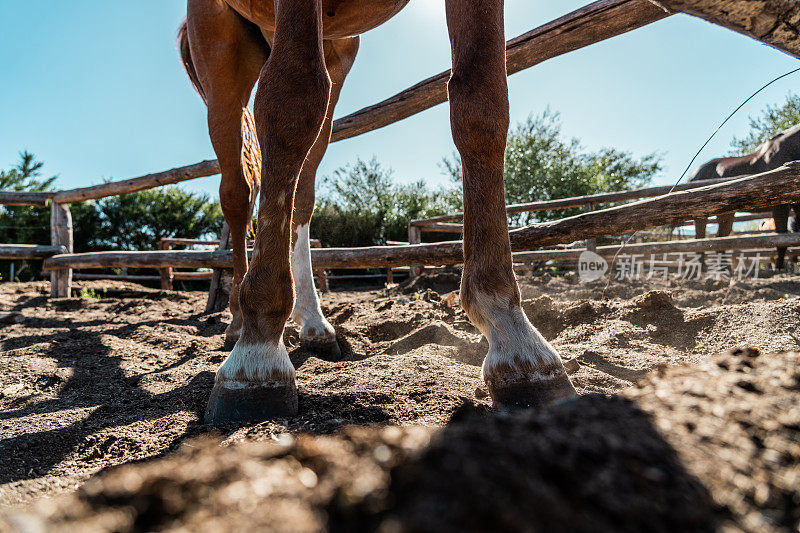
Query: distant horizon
{"points": [[112, 101]]}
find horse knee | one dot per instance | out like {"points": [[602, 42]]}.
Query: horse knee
{"points": [[292, 100]]}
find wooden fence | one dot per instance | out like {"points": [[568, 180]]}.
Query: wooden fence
{"points": [[593, 23]]}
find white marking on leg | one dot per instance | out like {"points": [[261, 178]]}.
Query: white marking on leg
{"points": [[256, 363], [307, 311], [513, 341]]}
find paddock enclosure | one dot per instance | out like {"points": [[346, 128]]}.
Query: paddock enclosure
{"points": [[678, 426]]}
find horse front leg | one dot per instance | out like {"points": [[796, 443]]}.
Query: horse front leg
{"points": [[257, 380], [521, 368], [316, 333]]}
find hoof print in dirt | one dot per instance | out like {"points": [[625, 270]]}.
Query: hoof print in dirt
{"points": [[251, 403]]}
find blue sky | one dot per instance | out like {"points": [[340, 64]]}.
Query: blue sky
{"points": [[96, 91]]}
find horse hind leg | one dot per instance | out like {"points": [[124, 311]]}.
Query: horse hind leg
{"points": [[225, 56], [257, 380], [725, 224], [521, 368], [781, 216]]}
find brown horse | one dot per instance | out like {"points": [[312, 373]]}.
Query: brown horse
{"points": [[299, 52], [773, 153]]}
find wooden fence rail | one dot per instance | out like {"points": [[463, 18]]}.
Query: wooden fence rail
{"points": [[450, 227], [25, 198], [329, 257], [30, 251], [757, 192], [582, 201], [720, 244]]}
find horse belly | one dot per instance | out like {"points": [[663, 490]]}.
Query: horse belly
{"points": [[340, 18]]}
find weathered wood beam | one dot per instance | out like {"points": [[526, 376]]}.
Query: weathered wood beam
{"points": [[115, 277], [749, 193], [773, 22], [137, 259], [761, 191], [581, 201], [591, 24], [61, 235], [25, 198], [189, 242], [187, 276], [195, 259], [450, 227], [720, 244], [29, 251], [157, 179]]}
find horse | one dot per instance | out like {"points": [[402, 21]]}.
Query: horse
{"points": [[299, 54], [773, 153]]}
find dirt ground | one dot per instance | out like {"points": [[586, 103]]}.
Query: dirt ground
{"points": [[123, 376]]}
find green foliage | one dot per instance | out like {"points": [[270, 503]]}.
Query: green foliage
{"points": [[24, 224], [541, 164], [772, 120], [91, 294], [26, 176], [131, 222], [363, 207], [137, 221]]}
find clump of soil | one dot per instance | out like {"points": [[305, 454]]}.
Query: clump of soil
{"points": [[94, 382], [695, 449]]}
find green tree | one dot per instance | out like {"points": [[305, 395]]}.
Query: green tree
{"points": [[137, 221], [24, 224], [362, 206], [26, 175], [541, 164], [772, 120]]}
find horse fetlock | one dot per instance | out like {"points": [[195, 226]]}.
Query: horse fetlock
{"points": [[521, 368], [258, 362]]}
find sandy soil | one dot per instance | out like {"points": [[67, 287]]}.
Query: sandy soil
{"points": [[92, 383]]}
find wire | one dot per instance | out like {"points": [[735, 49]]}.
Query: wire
{"points": [[691, 162], [739, 107], [24, 227]]}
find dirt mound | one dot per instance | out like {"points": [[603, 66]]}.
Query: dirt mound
{"points": [[123, 375], [690, 449]]}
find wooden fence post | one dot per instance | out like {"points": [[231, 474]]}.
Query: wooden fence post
{"points": [[166, 273], [219, 291], [414, 237], [61, 235], [591, 244]]}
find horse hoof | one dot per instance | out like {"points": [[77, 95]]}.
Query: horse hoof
{"points": [[327, 350], [524, 393], [235, 402]]}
